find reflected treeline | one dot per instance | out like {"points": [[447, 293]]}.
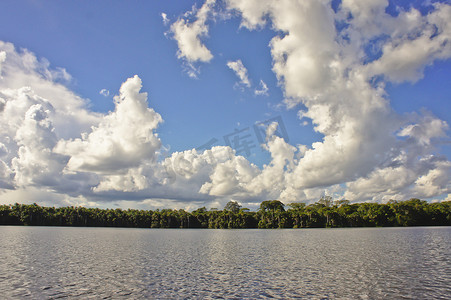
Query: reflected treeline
{"points": [[272, 214]]}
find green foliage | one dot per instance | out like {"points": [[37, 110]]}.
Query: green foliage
{"points": [[296, 206], [324, 213], [326, 201], [232, 206], [272, 205]]}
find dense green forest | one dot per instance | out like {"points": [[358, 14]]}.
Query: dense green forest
{"points": [[272, 214]]}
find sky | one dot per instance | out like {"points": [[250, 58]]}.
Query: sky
{"points": [[184, 104]]}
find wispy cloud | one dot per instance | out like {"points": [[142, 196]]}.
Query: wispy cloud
{"points": [[263, 91], [165, 18], [240, 71], [104, 92]]}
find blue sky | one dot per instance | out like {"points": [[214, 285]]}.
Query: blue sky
{"points": [[200, 97]]}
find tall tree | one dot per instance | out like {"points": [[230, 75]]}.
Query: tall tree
{"points": [[232, 206]]}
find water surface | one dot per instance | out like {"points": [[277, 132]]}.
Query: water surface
{"points": [[364, 263]]}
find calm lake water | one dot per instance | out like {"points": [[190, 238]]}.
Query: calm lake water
{"points": [[364, 263]]}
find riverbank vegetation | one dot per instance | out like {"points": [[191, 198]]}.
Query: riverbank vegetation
{"points": [[272, 214]]}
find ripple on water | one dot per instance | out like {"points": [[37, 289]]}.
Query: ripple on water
{"points": [[86, 263]]}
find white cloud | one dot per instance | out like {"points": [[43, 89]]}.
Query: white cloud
{"points": [[424, 133], [230, 175], [436, 181], [253, 12], [104, 92], [324, 69], [35, 111], [185, 177], [368, 16], [122, 139], [240, 71], [273, 177], [2, 60], [22, 69], [263, 91], [165, 18], [188, 36], [404, 58], [415, 40]]}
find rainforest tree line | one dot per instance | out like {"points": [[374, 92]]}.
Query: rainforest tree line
{"points": [[272, 214]]}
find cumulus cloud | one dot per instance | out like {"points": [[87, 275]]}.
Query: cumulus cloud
{"points": [[186, 176], [118, 157], [253, 12], [2, 60], [240, 71], [325, 68], [35, 138], [36, 110], [404, 57], [122, 139], [23, 69]]}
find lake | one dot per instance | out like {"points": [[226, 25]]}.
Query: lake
{"points": [[351, 263]]}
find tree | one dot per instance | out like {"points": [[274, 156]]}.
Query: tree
{"points": [[296, 213], [297, 206], [326, 201], [271, 214], [270, 210], [272, 205], [201, 217], [342, 202], [232, 206]]}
